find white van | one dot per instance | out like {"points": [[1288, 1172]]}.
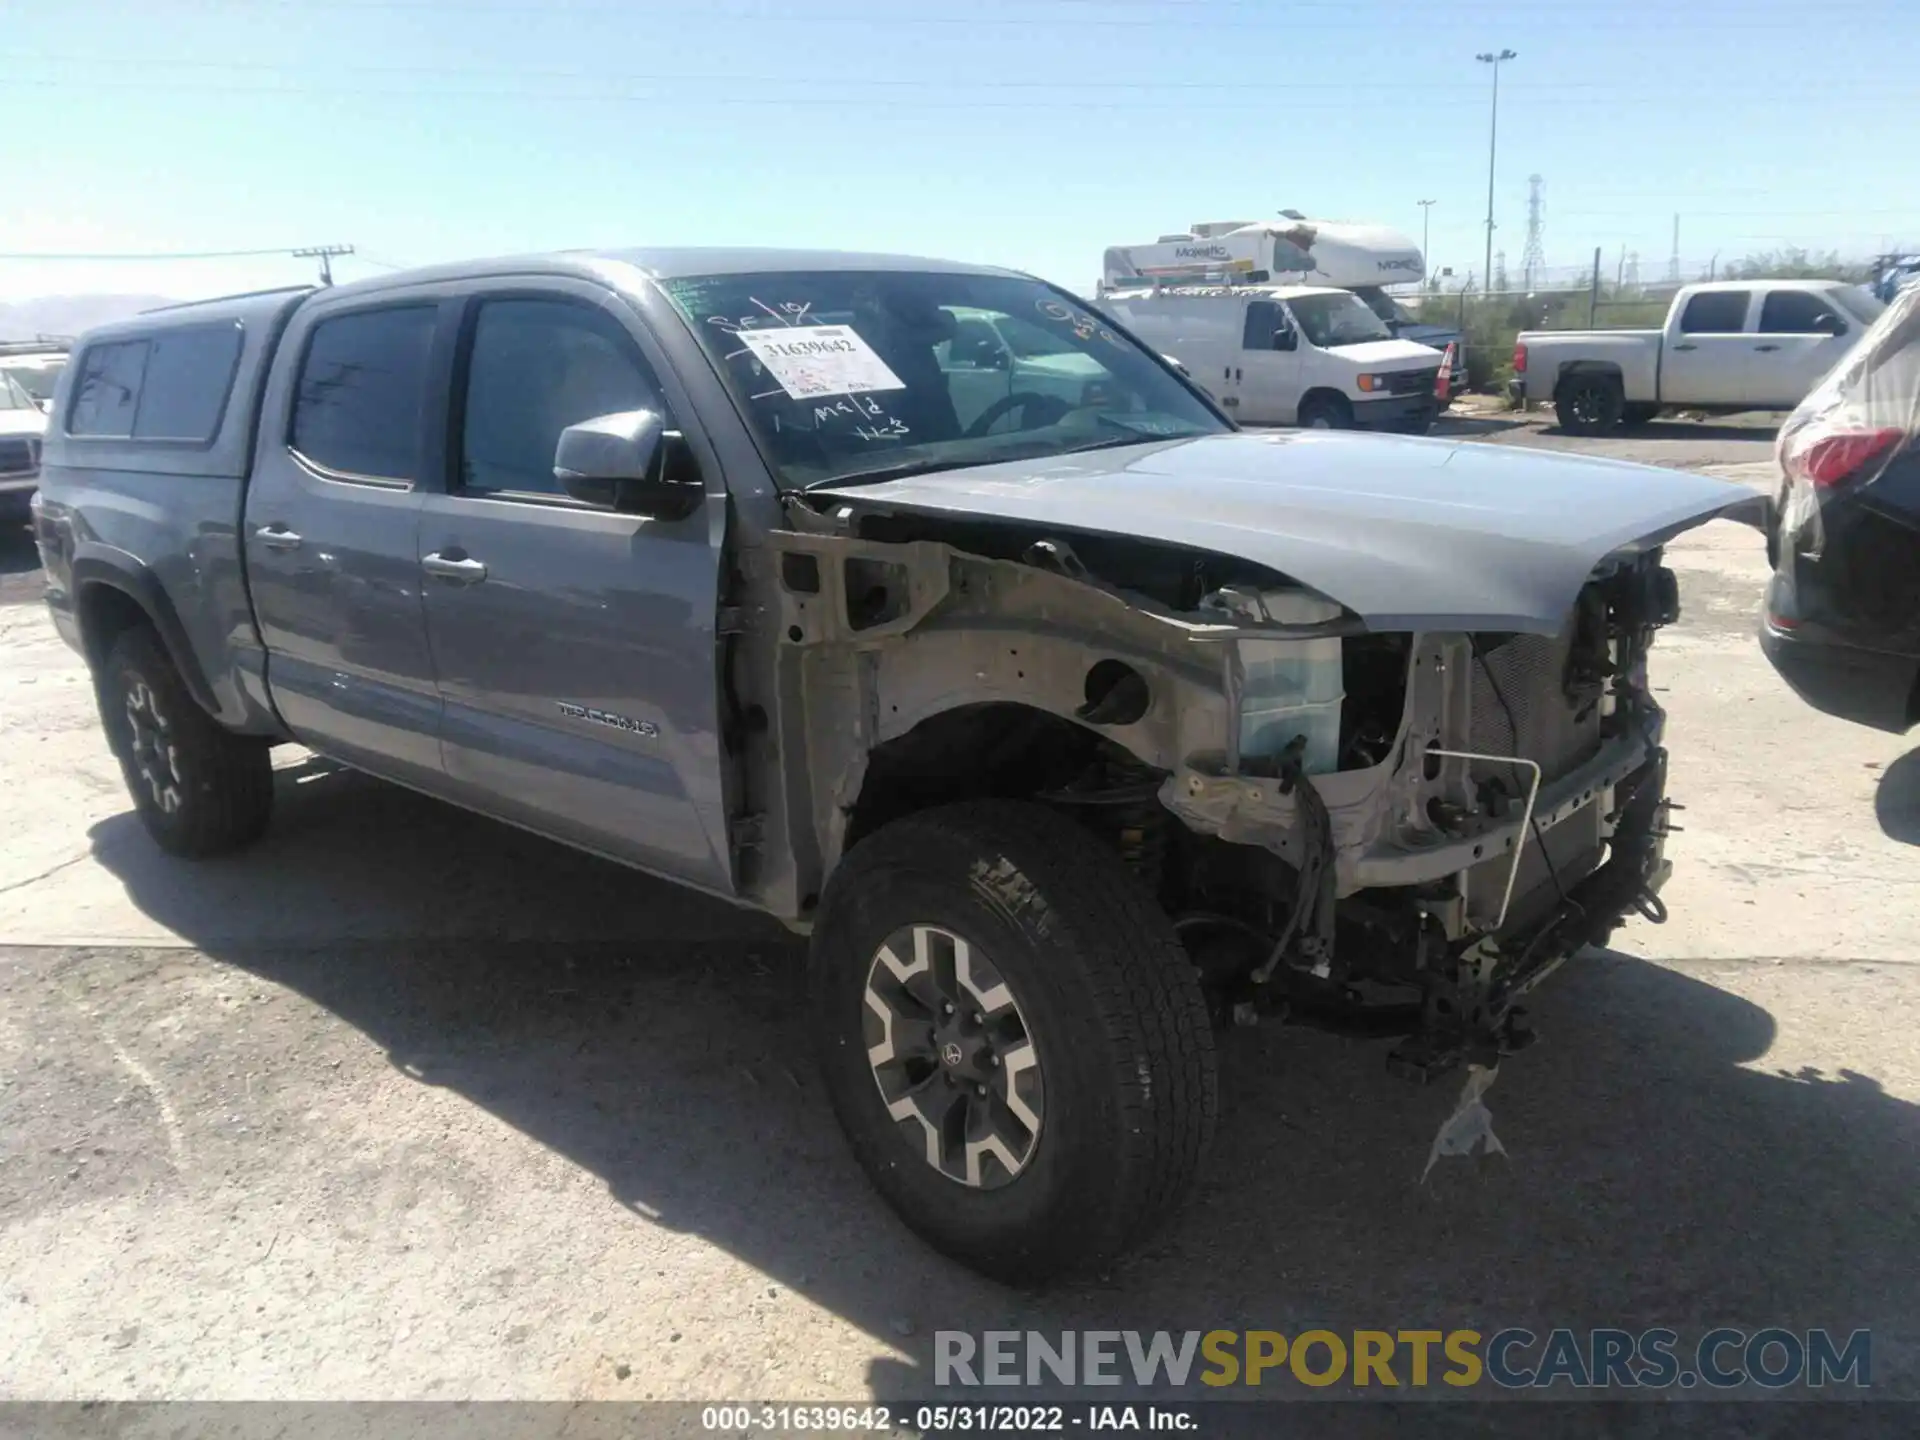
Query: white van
{"points": [[1304, 355]]}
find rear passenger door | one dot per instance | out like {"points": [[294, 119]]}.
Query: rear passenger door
{"points": [[575, 646], [1801, 335], [1705, 357], [333, 569]]}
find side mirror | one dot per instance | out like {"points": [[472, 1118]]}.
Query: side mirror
{"points": [[1827, 323], [1285, 339], [612, 461]]}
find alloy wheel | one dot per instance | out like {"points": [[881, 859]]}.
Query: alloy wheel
{"points": [[150, 741], [951, 1054]]}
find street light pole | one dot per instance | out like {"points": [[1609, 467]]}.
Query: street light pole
{"points": [[1487, 57], [1426, 258]]}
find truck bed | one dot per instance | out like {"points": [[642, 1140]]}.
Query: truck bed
{"points": [[1633, 354]]}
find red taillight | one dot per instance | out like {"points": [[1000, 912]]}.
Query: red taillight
{"points": [[1828, 459], [1519, 359]]}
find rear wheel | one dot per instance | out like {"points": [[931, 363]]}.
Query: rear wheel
{"points": [[1326, 412], [1013, 1038], [199, 789], [1589, 404]]}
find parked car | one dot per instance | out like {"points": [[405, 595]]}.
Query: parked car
{"points": [[22, 424], [1729, 346], [1061, 732], [1842, 616]]}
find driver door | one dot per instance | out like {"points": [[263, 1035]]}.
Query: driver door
{"points": [[574, 647], [1267, 378]]}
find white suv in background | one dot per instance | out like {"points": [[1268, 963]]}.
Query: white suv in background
{"points": [[22, 425]]}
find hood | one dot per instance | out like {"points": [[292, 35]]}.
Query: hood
{"points": [[1408, 534], [1401, 354], [23, 422]]}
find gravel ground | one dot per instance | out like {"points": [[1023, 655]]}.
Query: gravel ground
{"points": [[406, 1104]]}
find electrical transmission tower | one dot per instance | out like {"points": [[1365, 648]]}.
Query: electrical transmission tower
{"points": [[1633, 270], [1533, 258], [1673, 262], [1499, 272]]}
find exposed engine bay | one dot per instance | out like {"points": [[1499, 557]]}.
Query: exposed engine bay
{"points": [[1494, 802]]}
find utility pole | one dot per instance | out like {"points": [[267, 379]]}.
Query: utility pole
{"points": [[324, 254], [1673, 261], [1426, 256], [1488, 57]]}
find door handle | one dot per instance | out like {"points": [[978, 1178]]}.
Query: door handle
{"points": [[278, 537], [454, 566], [1766, 347], [1688, 346]]}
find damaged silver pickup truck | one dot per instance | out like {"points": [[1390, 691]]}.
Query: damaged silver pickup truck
{"points": [[923, 608]]}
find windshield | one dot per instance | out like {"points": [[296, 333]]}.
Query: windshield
{"points": [[37, 380], [854, 373], [1861, 303], [13, 397], [1390, 310], [1337, 319]]}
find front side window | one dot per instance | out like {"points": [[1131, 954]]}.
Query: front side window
{"points": [[1263, 320], [1340, 318], [841, 373], [1715, 312], [108, 391], [357, 409], [536, 367]]}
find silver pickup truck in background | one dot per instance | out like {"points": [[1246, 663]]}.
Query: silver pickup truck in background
{"points": [[1727, 346], [1067, 719]]}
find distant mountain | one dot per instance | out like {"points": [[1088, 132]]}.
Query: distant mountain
{"points": [[69, 314]]}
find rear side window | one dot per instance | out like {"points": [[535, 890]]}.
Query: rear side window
{"points": [[170, 386], [358, 406], [1793, 312], [184, 391], [1715, 312], [107, 393]]}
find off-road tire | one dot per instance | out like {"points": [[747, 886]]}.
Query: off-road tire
{"points": [[1113, 1008], [1589, 404], [1325, 412], [216, 788]]}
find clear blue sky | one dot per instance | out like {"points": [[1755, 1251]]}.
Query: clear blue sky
{"points": [[1024, 132]]}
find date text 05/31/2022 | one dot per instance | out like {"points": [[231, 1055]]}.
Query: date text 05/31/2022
{"points": [[938, 1419]]}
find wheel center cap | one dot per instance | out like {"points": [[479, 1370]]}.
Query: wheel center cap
{"points": [[951, 1055]]}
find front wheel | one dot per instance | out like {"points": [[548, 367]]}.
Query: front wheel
{"points": [[1326, 412], [1589, 404], [1013, 1038], [199, 789]]}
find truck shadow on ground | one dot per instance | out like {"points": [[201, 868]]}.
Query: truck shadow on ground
{"points": [[1658, 1173], [1896, 800], [1695, 430]]}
